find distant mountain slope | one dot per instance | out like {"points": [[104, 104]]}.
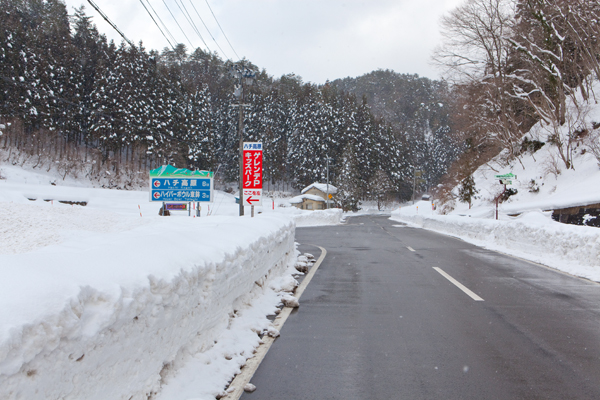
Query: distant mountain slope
{"points": [[409, 102], [418, 110]]}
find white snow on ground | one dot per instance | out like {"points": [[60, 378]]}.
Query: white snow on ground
{"points": [[543, 183], [332, 216], [111, 301]]}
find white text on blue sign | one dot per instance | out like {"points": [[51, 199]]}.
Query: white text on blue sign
{"points": [[252, 146]]}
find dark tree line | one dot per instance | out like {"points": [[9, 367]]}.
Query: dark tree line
{"points": [[418, 111], [68, 94]]}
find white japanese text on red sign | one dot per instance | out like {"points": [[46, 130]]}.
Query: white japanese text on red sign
{"points": [[252, 169]]}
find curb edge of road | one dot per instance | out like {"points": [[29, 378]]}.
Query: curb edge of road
{"points": [[243, 378]]}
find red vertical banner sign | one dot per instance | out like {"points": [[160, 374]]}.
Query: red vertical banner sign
{"points": [[252, 178]]}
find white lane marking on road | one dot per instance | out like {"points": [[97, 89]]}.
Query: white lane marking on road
{"points": [[410, 248], [243, 378], [458, 284]]}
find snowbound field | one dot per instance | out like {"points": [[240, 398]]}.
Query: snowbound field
{"points": [[111, 301]]}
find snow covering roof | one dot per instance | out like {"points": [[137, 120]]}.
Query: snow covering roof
{"points": [[322, 187], [300, 199]]}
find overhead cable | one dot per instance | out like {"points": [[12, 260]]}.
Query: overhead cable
{"points": [[214, 16], [155, 23], [162, 23], [111, 23], [188, 17], [177, 22], [139, 51], [213, 38]]}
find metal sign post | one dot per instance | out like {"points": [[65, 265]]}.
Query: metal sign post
{"points": [[505, 179], [252, 175]]}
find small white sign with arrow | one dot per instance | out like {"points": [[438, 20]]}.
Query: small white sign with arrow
{"points": [[253, 197]]}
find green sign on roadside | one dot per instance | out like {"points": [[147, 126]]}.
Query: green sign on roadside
{"points": [[510, 175], [169, 171], [168, 183]]}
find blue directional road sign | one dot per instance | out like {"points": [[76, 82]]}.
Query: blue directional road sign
{"points": [[180, 189]]}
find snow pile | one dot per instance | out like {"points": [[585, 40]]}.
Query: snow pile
{"points": [[533, 236], [98, 317], [204, 371], [538, 184], [332, 216], [98, 302]]}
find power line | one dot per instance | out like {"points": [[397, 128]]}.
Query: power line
{"points": [[142, 54], [213, 14], [161, 21], [188, 17], [111, 23], [175, 19], [213, 38], [158, 26]]}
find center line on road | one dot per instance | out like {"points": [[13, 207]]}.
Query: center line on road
{"points": [[410, 248], [458, 284]]}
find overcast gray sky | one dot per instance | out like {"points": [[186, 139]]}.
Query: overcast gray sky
{"points": [[315, 39]]}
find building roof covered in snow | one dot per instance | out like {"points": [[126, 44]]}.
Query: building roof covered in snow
{"points": [[322, 187], [299, 199]]}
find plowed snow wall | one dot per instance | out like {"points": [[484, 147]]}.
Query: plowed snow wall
{"points": [[113, 341], [568, 246]]}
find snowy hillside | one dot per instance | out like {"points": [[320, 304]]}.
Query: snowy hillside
{"points": [[525, 227], [543, 181], [110, 300]]}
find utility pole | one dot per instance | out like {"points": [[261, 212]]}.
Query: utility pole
{"points": [[417, 173], [241, 73], [241, 153]]}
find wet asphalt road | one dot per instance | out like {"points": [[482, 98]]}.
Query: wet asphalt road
{"points": [[379, 322]]}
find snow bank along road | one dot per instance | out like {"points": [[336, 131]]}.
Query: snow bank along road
{"points": [[533, 236], [380, 321], [111, 316]]}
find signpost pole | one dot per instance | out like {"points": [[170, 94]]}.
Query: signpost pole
{"points": [[327, 201], [241, 163], [252, 211], [504, 180], [242, 73]]}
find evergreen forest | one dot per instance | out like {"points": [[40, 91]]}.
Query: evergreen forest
{"points": [[70, 99]]}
